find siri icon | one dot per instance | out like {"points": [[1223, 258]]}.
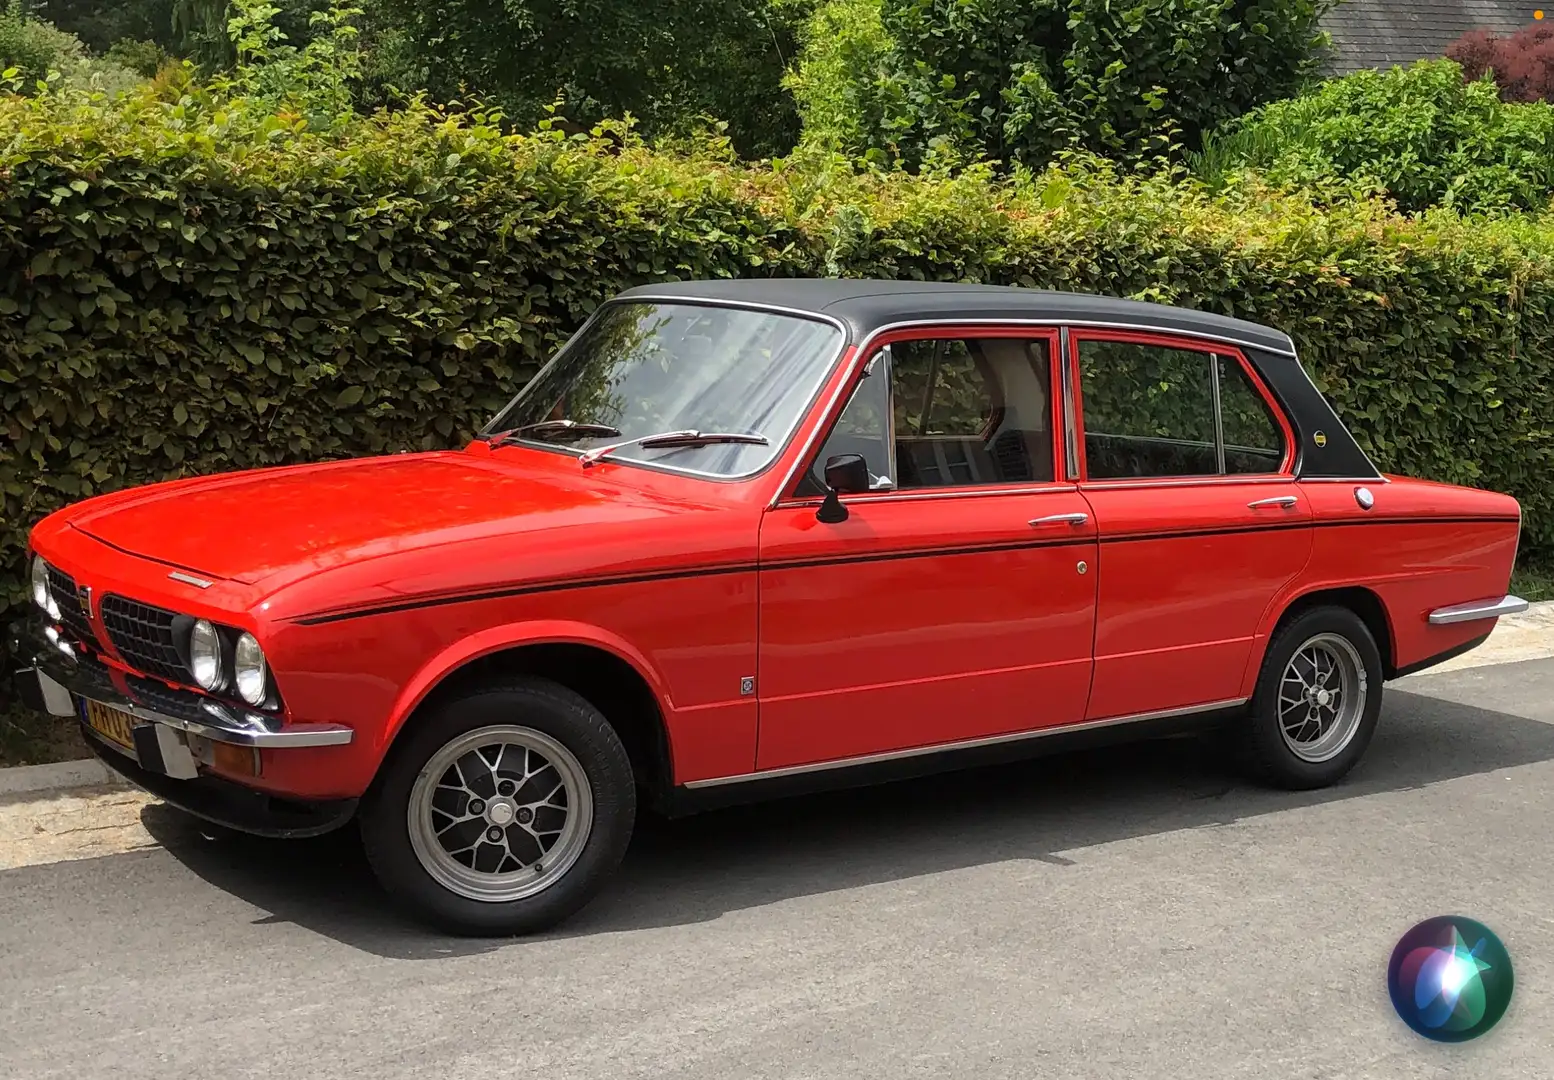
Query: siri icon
{"points": [[1450, 978]]}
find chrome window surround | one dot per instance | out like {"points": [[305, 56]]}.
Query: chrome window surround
{"points": [[1062, 326], [779, 445]]}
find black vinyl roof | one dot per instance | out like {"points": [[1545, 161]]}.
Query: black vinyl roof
{"points": [[865, 306]]}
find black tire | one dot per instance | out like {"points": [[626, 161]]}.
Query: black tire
{"points": [[527, 703], [1259, 738]]}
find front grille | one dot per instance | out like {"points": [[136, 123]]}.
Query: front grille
{"points": [[73, 617], [145, 638]]}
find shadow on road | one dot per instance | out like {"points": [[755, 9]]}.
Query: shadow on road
{"points": [[696, 869]]}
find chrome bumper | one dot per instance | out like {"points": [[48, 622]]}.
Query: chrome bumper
{"points": [[56, 683], [1477, 609]]}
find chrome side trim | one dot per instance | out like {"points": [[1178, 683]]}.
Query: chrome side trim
{"points": [[1377, 479], [868, 498], [1188, 481], [1478, 609], [965, 744]]}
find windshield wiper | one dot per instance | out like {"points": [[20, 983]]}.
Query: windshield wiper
{"points": [[554, 428], [674, 438]]}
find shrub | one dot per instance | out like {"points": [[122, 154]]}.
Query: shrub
{"points": [[1521, 65], [144, 58], [35, 48], [1419, 134], [1019, 82], [200, 284]]}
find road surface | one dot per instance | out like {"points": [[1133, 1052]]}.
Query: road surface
{"points": [[1133, 912]]}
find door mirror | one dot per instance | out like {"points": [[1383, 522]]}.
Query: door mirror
{"points": [[847, 473], [844, 472]]}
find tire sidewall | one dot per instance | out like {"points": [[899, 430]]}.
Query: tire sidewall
{"points": [[532, 703], [1270, 755]]}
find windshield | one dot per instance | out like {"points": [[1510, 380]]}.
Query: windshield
{"points": [[639, 369]]}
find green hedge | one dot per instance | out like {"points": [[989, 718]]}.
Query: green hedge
{"points": [[188, 286]]}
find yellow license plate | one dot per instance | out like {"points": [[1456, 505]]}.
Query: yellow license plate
{"points": [[115, 725]]}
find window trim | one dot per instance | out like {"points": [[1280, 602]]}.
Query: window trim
{"points": [[880, 342], [1212, 349]]}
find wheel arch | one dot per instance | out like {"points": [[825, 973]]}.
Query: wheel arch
{"points": [[1363, 601], [593, 663]]}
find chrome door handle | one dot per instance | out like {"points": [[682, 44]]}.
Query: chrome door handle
{"points": [[1282, 501], [1075, 520]]}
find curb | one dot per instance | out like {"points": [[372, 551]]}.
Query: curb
{"points": [[57, 777], [64, 776]]}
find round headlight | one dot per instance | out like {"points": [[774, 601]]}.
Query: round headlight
{"points": [[251, 670], [41, 594], [205, 656]]}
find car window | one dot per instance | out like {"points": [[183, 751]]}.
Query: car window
{"points": [[961, 411], [1149, 411], [1254, 442]]}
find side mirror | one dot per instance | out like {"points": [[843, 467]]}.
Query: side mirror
{"points": [[844, 473]]}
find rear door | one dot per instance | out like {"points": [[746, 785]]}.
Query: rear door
{"points": [[1187, 463], [956, 601]]}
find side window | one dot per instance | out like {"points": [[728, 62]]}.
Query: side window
{"points": [[953, 411], [1254, 442], [863, 429], [1149, 412], [972, 411]]}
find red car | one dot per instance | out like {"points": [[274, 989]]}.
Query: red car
{"points": [[742, 536]]}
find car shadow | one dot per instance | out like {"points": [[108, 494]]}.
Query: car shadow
{"points": [[695, 869]]}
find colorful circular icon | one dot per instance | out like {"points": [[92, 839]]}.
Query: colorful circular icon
{"points": [[1450, 978]]}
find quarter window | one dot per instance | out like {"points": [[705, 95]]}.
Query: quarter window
{"points": [[1150, 411], [947, 412]]}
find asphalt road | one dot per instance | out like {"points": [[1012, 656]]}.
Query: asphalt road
{"points": [[1134, 912]]}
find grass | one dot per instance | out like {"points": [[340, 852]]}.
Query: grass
{"points": [[1534, 580], [27, 738]]}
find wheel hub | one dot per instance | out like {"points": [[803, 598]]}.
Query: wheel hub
{"points": [[501, 812]]}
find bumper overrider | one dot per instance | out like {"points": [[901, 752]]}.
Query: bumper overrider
{"points": [[174, 732]]}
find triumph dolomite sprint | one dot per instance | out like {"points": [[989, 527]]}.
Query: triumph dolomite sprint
{"points": [[739, 537]]}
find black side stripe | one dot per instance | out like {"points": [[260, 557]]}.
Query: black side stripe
{"points": [[1186, 534], [840, 560], [520, 590]]}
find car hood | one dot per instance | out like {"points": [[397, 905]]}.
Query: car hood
{"points": [[248, 526]]}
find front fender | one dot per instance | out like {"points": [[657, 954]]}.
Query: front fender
{"points": [[496, 639]]}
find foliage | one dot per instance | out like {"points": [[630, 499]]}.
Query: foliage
{"points": [[35, 54], [1521, 65], [666, 62], [193, 281], [100, 25], [144, 58], [1020, 82], [33, 47], [1419, 134]]}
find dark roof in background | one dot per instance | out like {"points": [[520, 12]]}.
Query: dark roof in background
{"points": [[864, 306], [1381, 33]]}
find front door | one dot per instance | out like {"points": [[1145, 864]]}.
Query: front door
{"points": [[956, 601], [1188, 468]]}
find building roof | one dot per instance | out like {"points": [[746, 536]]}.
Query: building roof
{"points": [[1378, 34], [865, 306]]}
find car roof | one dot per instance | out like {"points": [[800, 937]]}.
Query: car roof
{"points": [[866, 306]]}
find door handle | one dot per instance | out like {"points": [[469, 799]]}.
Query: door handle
{"points": [[1284, 502], [1075, 520]]}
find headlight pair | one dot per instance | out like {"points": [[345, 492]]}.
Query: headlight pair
{"points": [[208, 663]]}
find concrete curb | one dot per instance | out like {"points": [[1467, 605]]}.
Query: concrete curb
{"points": [[55, 778], [1528, 636]]}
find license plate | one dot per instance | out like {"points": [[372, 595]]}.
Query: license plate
{"points": [[115, 725]]}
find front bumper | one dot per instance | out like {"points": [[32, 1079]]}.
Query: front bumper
{"points": [[56, 680], [229, 804]]}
